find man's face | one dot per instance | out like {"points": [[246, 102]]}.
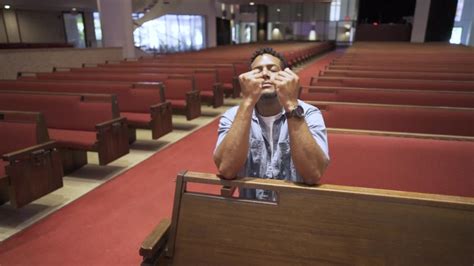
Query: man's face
{"points": [[269, 66]]}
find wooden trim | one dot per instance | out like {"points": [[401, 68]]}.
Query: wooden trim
{"points": [[180, 189], [399, 134], [156, 240], [388, 80], [316, 88], [401, 106], [437, 200]]}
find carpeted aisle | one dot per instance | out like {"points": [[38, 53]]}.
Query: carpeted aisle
{"points": [[107, 226], [320, 64]]}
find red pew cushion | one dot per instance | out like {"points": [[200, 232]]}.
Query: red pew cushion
{"points": [[137, 118], [180, 104], [74, 139], [419, 120], [16, 136], [406, 164]]}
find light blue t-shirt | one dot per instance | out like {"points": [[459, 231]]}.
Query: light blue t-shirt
{"points": [[279, 165]]}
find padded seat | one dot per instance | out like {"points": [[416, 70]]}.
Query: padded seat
{"points": [[74, 139], [180, 104], [227, 86], [207, 94], [136, 119]]}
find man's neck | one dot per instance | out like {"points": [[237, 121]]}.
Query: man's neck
{"points": [[268, 107]]}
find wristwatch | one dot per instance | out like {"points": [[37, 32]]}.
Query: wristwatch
{"points": [[296, 112]]}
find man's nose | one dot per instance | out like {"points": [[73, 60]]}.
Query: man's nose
{"points": [[265, 73]]}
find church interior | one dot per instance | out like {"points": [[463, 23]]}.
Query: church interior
{"points": [[110, 111]]}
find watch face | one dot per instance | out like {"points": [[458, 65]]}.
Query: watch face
{"points": [[299, 112]]}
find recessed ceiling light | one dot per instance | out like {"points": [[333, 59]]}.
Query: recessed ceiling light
{"points": [[6, 6], [251, 3], [299, 14], [74, 9], [278, 10]]}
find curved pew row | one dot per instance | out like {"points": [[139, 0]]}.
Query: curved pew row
{"points": [[403, 68], [388, 96], [143, 104], [226, 73], [369, 59], [179, 89], [294, 53], [409, 84], [398, 118], [205, 80], [78, 122], [397, 75], [31, 165]]}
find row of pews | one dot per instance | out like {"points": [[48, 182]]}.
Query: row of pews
{"points": [[399, 189], [98, 108]]}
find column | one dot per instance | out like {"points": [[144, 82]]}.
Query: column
{"points": [[420, 21], [117, 25]]}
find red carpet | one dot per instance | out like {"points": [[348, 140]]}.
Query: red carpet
{"points": [[107, 226], [313, 69]]}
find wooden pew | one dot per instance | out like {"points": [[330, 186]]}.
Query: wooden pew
{"points": [[403, 67], [322, 225], [226, 74], [179, 89], [31, 165], [143, 104], [398, 118], [411, 84], [205, 80], [78, 122], [397, 74], [388, 96]]}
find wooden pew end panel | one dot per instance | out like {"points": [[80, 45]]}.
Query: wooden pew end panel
{"points": [[161, 119], [218, 99], [193, 105], [112, 140], [33, 173]]}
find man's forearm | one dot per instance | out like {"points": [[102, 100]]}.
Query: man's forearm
{"points": [[231, 154], [308, 158]]}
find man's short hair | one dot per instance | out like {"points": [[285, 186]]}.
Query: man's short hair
{"points": [[269, 50]]}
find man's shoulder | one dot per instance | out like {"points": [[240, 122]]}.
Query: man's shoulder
{"points": [[231, 113], [307, 107]]}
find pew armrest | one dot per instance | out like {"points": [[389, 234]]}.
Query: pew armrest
{"points": [[33, 150], [111, 123], [156, 241], [192, 95]]}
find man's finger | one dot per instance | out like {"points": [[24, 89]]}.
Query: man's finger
{"points": [[254, 71], [287, 70], [284, 74], [258, 75]]}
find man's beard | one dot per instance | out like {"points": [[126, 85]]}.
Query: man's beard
{"points": [[269, 96]]}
